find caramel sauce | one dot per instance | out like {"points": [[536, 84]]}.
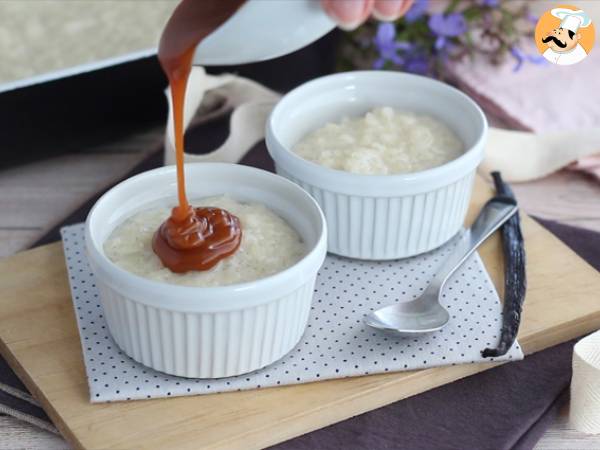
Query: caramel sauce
{"points": [[198, 240], [192, 238]]}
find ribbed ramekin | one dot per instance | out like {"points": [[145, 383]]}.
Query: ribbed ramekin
{"points": [[207, 332], [380, 217]]}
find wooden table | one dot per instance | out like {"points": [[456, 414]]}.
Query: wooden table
{"points": [[36, 196]]}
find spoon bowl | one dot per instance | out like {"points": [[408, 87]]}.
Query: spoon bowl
{"points": [[425, 314], [414, 320]]}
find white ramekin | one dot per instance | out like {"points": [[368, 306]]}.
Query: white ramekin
{"points": [[207, 332], [380, 216]]}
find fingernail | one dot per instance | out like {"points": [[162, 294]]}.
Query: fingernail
{"points": [[349, 26], [389, 10], [347, 13]]}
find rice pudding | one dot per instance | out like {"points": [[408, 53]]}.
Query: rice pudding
{"points": [[268, 245], [384, 141]]}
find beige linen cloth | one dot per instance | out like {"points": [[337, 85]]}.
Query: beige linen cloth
{"points": [[585, 385], [519, 155]]}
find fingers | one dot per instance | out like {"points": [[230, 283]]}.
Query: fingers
{"points": [[348, 14], [389, 10]]}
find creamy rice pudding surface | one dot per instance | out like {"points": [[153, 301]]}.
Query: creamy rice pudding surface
{"points": [[382, 142], [269, 245]]}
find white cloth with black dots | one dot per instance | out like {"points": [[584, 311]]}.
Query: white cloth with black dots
{"points": [[336, 343]]}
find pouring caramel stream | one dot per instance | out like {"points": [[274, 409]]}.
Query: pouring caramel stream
{"points": [[192, 238]]}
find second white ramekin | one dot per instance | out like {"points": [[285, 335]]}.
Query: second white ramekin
{"points": [[380, 217], [207, 332]]}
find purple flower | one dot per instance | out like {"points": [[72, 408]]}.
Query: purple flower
{"points": [[416, 11], [386, 45], [418, 64], [522, 57], [445, 26], [449, 25], [440, 42], [532, 18], [490, 3]]}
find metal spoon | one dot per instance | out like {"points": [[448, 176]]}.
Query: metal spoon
{"points": [[425, 314]]}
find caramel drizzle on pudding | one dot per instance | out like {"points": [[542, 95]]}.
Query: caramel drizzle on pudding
{"points": [[192, 238], [198, 241]]}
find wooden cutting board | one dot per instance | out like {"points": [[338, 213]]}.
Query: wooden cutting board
{"points": [[39, 339]]}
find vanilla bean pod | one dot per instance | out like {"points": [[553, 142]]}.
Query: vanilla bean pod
{"points": [[515, 281]]}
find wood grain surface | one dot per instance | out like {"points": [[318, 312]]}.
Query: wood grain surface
{"points": [[568, 197], [34, 289]]}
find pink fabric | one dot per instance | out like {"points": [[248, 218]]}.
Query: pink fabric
{"points": [[538, 98], [589, 165]]}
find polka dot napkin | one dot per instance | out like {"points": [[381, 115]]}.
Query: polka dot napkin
{"points": [[336, 343]]}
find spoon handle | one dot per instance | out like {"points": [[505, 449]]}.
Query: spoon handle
{"points": [[493, 214]]}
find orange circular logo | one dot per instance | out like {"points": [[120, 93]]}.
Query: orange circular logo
{"points": [[565, 35]]}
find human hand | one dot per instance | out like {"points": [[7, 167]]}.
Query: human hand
{"points": [[349, 14]]}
